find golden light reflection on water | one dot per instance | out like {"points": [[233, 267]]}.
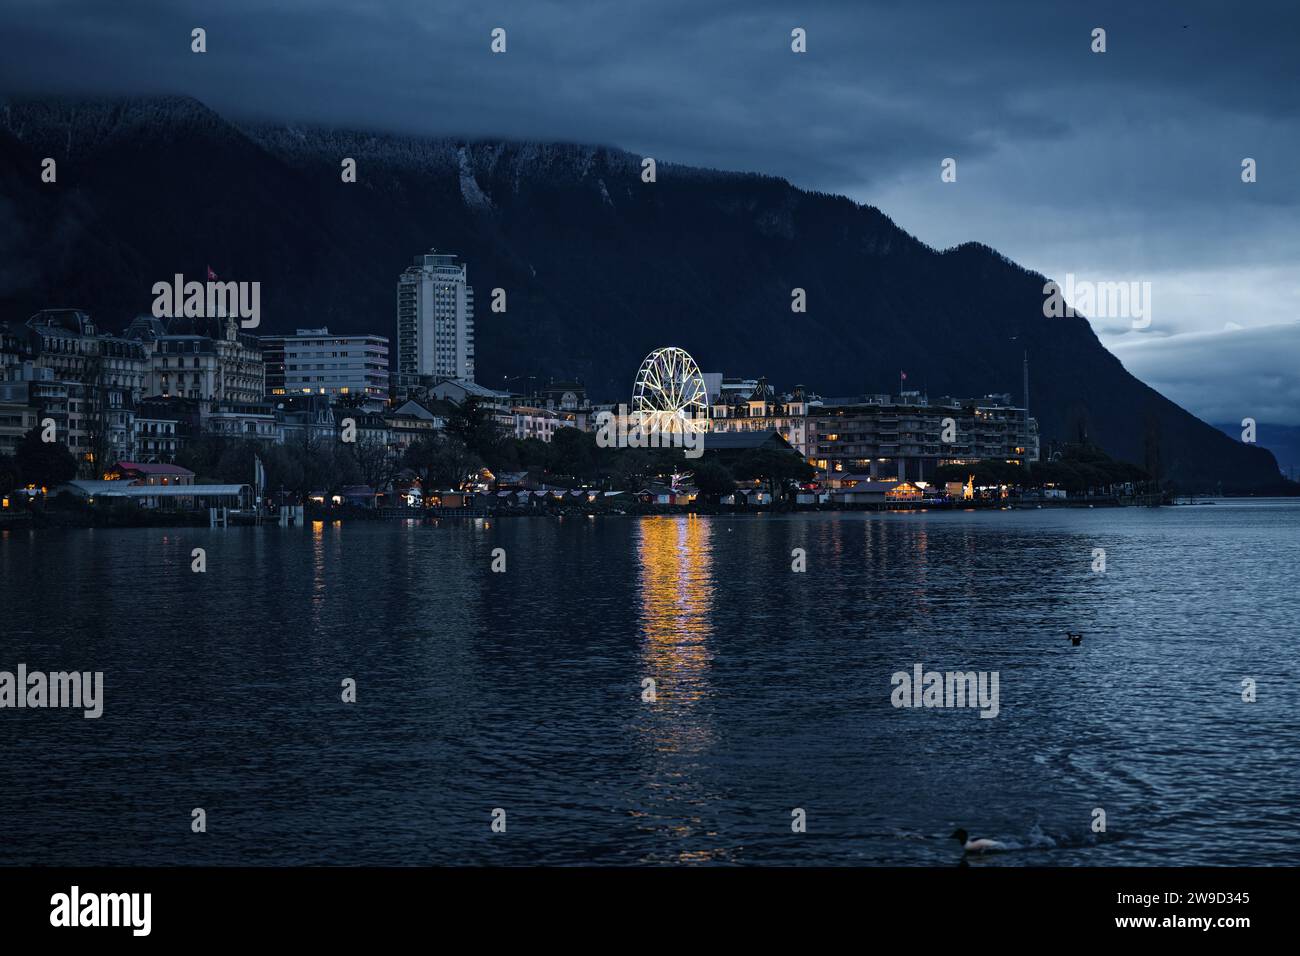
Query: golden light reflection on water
{"points": [[677, 594], [317, 571], [676, 601]]}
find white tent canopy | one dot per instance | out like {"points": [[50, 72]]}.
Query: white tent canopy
{"points": [[123, 489]]}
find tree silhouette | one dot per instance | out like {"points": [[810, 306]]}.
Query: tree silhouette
{"points": [[44, 463]]}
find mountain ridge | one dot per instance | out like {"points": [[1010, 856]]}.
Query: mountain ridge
{"points": [[599, 267]]}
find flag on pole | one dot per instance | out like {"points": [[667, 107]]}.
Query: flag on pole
{"points": [[259, 477], [212, 276], [903, 376]]}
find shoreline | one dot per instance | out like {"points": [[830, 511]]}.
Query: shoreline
{"points": [[93, 519]]}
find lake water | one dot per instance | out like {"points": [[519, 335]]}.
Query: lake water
{"points": [[522, 690]]}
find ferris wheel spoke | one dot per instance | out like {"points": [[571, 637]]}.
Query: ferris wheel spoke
{"points": [[669, 391]]}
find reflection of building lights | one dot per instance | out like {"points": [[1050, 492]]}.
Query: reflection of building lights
{"points": [[676, 600]]}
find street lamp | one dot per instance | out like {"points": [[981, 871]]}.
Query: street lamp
{"points": [[507, 379]]}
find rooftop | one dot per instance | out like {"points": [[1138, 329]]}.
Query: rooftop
{"points": [[123, 489], [743, 441], [150, 468], [474, 388]]}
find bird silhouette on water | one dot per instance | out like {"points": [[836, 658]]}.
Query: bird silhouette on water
{"points": [[981, 845]]}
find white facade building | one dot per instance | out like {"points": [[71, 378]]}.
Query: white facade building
{"points": [[540, 423], [435, 319], [156, 439], [314, 362], [495, 403]]}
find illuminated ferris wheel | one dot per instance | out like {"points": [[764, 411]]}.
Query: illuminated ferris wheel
{"points": [[669, 395]]}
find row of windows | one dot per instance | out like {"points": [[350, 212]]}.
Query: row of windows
{"points": [[350, 366], [373, 350]]}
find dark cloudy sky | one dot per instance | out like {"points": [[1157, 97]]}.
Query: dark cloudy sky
{"points": [[1122, 166]]}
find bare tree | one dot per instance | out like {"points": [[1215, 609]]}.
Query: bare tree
{"points": [[94, 419], [372, 458]]}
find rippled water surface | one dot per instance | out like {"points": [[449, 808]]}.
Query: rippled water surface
{"points": [[523, 690]]}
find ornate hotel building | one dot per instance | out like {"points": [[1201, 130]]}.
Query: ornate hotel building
{"points": [[760, 411]]}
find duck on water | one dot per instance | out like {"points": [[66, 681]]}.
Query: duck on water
{"points": [[979, 845]]}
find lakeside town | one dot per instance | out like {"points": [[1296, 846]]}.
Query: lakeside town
{"points": [[195, 418]]}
